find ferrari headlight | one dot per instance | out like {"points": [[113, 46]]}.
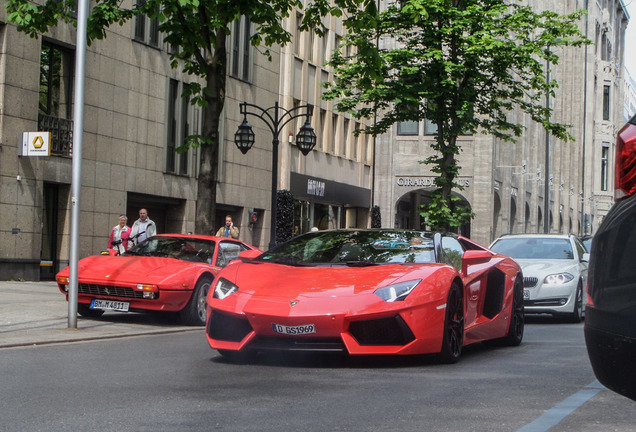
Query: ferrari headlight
{"points": [[558, 279], [396, 292], [224, 288]]}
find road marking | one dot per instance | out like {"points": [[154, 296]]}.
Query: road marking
{"points": [[553, 416]]}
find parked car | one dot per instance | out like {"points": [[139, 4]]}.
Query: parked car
{"points": [[167, 272], [362, 292], [554, 272], [610, 324]]}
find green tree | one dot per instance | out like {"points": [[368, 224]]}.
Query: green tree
{"points": [[464, 65], [197, 30]]}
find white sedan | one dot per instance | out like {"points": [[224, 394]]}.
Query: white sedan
{"points": [[554, 270]]}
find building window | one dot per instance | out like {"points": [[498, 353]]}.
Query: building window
{"points": [[430, 128], [56, 97], [604, 167], [333, 146], [409, 127], [323, 128], [180, 117], [606, 102], [147, 29], [298, 35], [241, 49]]}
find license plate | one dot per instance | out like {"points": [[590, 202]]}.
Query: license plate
{"points": [[294, 330], [526, 294], [110, 305]]}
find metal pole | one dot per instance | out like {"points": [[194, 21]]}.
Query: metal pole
{"points": [[546, 205], [76, 179], [275, 123], [274, 203]]}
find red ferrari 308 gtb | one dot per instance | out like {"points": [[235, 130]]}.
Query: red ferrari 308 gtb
{"points": [[167, 272], [366, 292]]}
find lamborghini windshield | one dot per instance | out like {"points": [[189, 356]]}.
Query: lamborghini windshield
{"points": [[354, 248]]}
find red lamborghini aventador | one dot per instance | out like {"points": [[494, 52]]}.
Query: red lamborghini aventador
{"points": [[367, 292]]}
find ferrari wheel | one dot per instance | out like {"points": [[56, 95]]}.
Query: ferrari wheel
{"points": [[86, 311], [453, 326], [194, 313]]}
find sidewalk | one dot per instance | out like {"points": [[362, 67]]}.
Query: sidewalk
{"points": [[36, 313]]}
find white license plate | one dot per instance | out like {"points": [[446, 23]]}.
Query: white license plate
{"points": [[526, 294], [294, 330], [110, 305]]}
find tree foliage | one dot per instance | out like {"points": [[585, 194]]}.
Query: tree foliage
{"points": [[462, 64], [197, 31]]}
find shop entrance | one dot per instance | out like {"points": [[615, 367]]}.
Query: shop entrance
{"points": [[408, 207]]}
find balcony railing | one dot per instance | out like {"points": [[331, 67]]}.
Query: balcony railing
{"points": [[61, 134]]}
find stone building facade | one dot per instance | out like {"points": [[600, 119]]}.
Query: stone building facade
{"points": [[134, 118], [504, 183]]}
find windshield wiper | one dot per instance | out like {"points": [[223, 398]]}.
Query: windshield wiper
{"points": [[360, 263]]}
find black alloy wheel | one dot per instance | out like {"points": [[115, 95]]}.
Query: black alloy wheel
{"points": [[453, 326], [517, 321]]}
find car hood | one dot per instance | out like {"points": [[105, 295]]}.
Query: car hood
{"points": [[543, 267], [271, 288], [127, 270]]}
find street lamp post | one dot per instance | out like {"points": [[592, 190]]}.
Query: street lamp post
{"points": [[275, 118], [546, 192]]}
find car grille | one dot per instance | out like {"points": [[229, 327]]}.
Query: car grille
{"points": [[546, 302], [529, 282], [109, 291], [298, 344], [228, 328], [382, 331]]}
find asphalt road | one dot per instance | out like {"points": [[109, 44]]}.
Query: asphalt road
{"points": [[175, 382]]}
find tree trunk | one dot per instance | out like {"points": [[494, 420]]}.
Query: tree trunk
{"points": [[208, 170]]}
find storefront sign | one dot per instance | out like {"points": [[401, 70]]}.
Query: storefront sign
{"points": [[315, 188], [427, 182], [35, 144], [328, 191]]}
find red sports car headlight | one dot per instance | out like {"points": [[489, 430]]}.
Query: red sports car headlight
{"points": [[397, 292], [224, 288]]}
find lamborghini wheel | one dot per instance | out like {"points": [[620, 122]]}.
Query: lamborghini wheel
{"points": [[453, 326], [517, 321]]}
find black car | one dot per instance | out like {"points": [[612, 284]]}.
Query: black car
{"points": [[610, 323]]}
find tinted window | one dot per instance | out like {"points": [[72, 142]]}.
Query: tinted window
{"points": [[614, 252], [355, 247], [228, 251], [453, 252]]}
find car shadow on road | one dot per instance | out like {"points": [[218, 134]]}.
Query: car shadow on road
{"points": [[341, 360], [157, 319], [546, 319]]}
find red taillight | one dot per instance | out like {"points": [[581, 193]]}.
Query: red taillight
{"points": [[626, 161]]}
